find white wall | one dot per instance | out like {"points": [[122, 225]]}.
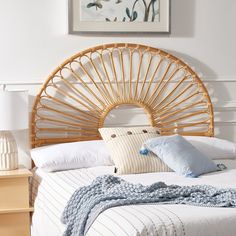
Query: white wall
{"points": [[34, 40]]}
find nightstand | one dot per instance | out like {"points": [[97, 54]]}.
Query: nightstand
{"points": [[14, 202]]}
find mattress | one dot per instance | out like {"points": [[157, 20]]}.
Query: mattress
{"points": [[51, 191]]}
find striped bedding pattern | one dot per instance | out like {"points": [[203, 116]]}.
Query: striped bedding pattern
{"points": [[51, 191]]}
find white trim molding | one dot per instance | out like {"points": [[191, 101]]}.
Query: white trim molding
{"points": [[221, 79], [38, 81]]}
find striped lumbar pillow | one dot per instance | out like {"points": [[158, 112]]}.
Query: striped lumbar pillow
{"points": [[124, 145]]}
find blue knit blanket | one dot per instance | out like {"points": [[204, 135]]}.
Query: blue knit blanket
{"points": [[109, 191]]}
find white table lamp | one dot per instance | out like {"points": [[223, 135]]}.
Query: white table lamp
{"points": [[13, 116]]}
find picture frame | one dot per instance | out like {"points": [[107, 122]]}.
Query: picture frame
{"points": [[119, 16]]}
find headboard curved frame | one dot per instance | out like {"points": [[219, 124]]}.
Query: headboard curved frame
{"points": [[77, 97]]}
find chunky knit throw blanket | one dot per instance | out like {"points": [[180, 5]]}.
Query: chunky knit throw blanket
{"points": [[109, 191]]}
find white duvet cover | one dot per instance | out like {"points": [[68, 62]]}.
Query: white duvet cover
{"points": [[51, 191]]}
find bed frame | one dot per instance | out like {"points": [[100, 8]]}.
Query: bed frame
{"points": [[77, 97]]}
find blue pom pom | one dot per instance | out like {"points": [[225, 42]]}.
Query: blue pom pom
{"points": [[221, 166], [143, 151]]}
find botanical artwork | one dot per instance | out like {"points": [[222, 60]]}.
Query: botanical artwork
{"points": [[120, 10]]}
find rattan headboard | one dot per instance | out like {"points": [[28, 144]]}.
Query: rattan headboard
{"points": [[77, 97]]}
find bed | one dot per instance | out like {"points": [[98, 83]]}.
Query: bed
{"points": [[77, 99]]}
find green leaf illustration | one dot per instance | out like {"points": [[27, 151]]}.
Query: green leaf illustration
{"points": [[135, 15], [91, 4], [94, 4], [128, 12]]}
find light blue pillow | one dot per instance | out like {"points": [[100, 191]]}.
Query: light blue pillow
{"points": [[180, 155]]}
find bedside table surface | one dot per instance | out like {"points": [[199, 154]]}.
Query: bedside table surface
{"points": [[17, 173]]}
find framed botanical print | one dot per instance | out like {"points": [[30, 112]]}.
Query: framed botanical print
{"points": [[119, 16]]}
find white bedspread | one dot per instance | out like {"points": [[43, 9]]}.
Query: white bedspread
{"points": [[51, 191]]}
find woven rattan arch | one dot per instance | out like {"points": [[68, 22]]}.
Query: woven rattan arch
{"points": [[76, 98]]}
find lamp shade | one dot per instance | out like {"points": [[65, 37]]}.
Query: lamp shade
{"points": [[13, 110]]}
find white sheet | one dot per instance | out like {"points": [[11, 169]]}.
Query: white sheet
{"points": [[51, 191]]}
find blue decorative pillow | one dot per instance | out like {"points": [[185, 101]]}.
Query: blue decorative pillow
{"points": [[180, 155]]}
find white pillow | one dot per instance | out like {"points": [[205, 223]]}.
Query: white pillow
{"points": [[213, 148], [71, 155]]}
